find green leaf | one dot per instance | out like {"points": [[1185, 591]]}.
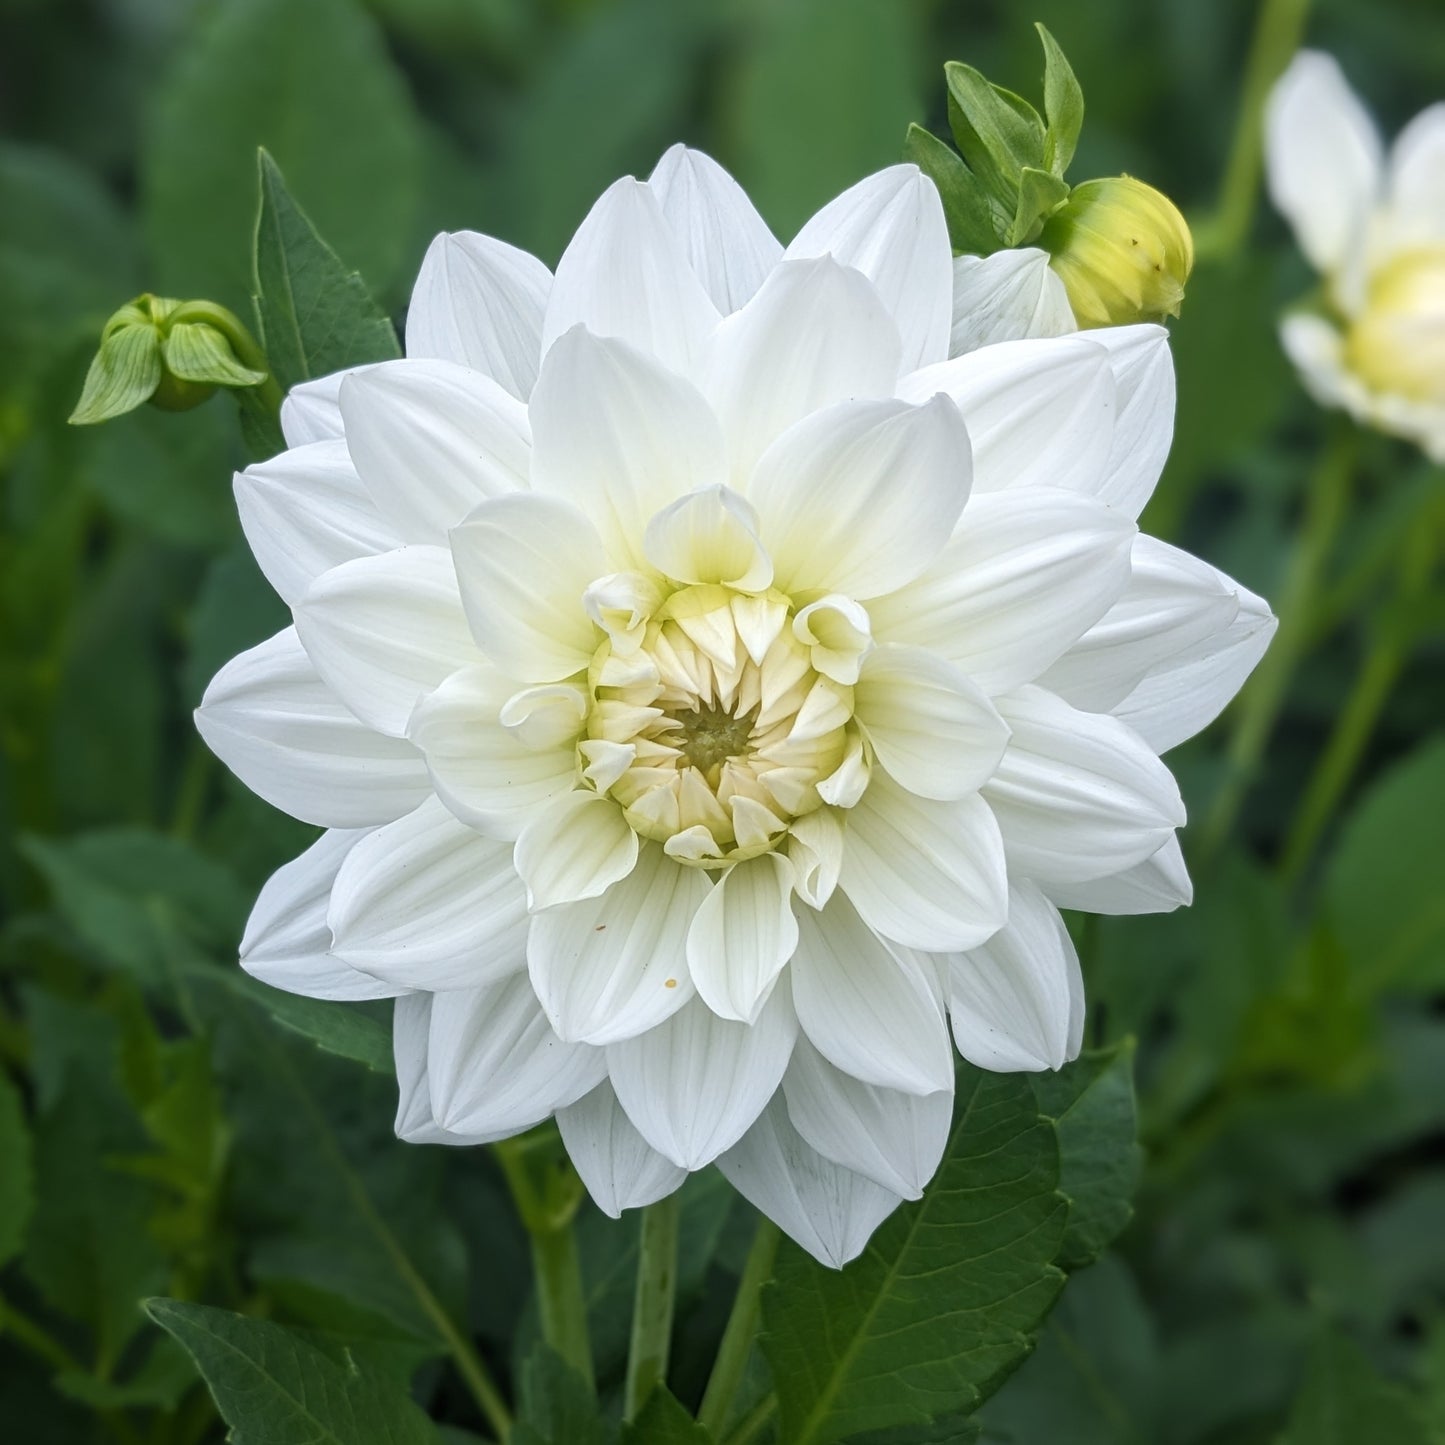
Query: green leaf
{"points": [[344, 1029], [1092, 1103], [1382, 888], [662, 1421], [1040, 194], [966, 205], [955, 1430], [273, 1388], [123, 376], [17, 1171], [314, 315], [997, 133], [940, 1307], [1344, 1401], [555, 1407], [1063, 105], [314, 85]]}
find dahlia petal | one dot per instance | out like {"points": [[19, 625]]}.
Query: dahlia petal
{"points": [[287, 943], [828, 1210], [1078, 795], [576, 846], [306, 511], [742, 935], [410, 1027], [816, 333], [890, 226], [888, 1136], [625, 274], [383, 631], [1157, 885], [523, 563], [311, 411], [620, 436], [619, 1167], [289, 738], [1417, 178], [815, 849], [431, 439], [710, 536], [494, 1065], [932, 727], [614, 966], [1143, 368], [1010, 296], [695, 1084], [1012, 1000], [1023, 577], [860, 497], [868, 1011], [479, 302], [927, 874], [428, 903], [727, 244], [840, 634]]}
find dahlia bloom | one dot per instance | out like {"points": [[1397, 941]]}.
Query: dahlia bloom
{"points": [[711, 690], [1374, 227]]}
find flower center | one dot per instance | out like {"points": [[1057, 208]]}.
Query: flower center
{"points": [[1397, 345], [711, 736]]}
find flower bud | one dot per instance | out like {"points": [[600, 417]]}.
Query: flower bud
{"points": [[1122, 250], [1397, 343]]}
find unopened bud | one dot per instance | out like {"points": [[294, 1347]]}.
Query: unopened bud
{"points": [[1122, 250]]}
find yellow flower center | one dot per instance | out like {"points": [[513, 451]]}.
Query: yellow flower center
{"points": [[1397, 345]]}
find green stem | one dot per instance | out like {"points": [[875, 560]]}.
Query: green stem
{"points": [[1260, 704], [1277, 32], [37, 1339], [653, 1303], [737, 1340], [755, 1421]]}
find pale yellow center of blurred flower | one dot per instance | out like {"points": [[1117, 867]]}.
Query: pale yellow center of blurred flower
{"points": [[1397, 344]]}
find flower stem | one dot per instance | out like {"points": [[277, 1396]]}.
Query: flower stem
{"points": [[39, 1341], [1262, 699], [737, 1340], [653, 1303]]}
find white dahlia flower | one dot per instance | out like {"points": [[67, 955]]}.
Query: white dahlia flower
{"points": [[711, 691], [1375, 230]]}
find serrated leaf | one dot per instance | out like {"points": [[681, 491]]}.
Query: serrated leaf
{"points": [[17, 1171], [555, 1407], [663, 1421], [966, 205], [1040, 194], [1092, 1103], [1063, 106], [1343, 1401], [997, 133], [314, 315], [274, 1388], [941, 1306]]}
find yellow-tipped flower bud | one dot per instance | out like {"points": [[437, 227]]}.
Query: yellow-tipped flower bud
{"points": [[1122, 250], [1397, 343]]}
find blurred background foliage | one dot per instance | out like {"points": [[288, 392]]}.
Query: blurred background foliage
{"points": [[1284, 1276]]}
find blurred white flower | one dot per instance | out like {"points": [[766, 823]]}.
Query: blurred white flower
{"points": [[1374, 227], [711, 690]]}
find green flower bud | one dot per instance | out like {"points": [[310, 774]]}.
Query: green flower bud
{"points": [[173, 354], [1122, 250]]}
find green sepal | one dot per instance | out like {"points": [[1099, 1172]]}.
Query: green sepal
{"points": [[971, 215], [1041, 193], [124, 375], [1063, 105], [997, 132], [194, 351]]}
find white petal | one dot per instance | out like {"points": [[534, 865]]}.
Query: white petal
{"points": [[285, 734], [830, 1211], [1316, 346], [816, 333], [410, 1025], [427, 903], [431, 439], [867, 1010], [306, 511], [742, 935], [860, 497], [312, 410], [1024, 575], [1039, 413], [1417, 178], [892, 1138], [523, 563], [1157, 885], [710, 536], [495, 1066], [933, 729], [815, 849], [1009, 296], [621, 437], [611, 967], [287, 943], [1011, 1001], [1322, 158], [1172, 602], [840, 634], [890, 227], [726, 242], [619, 1167], [1186, 692], [626, 274], [1078, 795], [576, 846], [694, 1084], [927, 874], [488, 774], [383, 631], [480, 302]]}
